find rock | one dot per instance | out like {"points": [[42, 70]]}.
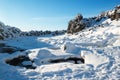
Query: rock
{"points": [[43, 52], [22, 61], [8, 50], [1, 37], [76, 24], [7, 32], [74, 59], [2, 44], [57, 60], [70, 48], [115, 13], [16, 61]]}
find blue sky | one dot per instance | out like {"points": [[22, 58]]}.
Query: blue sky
{"points": [[49, 14]]}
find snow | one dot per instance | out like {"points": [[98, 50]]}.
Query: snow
{"points": [[95, 59], [99, 46], [71, 48], [42, 54], [28, 43], [117, 42]]}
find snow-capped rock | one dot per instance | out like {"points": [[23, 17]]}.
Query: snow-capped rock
{"points": [[8, 31], [95, 59], [44, 54], [80, 23], [70, 48]]}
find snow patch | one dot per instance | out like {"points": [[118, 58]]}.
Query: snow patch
{"points": [[117, 42], [71, 48], [95, 59], [43, 53]]}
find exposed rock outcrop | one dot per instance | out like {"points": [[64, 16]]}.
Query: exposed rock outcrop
{"points": [[115, 14], [22, 61], [80, 23], [9, 49], [42, 33], [76, 24], [8, 31], [76, 60]]}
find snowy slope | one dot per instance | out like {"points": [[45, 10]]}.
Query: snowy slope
{"points": [[100, 47], [7, 31]]}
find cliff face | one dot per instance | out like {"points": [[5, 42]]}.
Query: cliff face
{"points": [[79, 23]]}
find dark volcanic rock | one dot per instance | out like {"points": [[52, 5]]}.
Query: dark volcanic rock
{"points": [[2, 44], [76, 60], [114, 14], [10, 50], [76, 25], [18, 61], [80, 23]]}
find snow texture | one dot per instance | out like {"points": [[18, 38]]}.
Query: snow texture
{"points": [[99, 46]]}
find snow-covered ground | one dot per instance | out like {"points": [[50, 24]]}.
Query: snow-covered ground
{"points": [[100, 47]]}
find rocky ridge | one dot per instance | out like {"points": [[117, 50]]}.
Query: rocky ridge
{"points": [[79, 23]]}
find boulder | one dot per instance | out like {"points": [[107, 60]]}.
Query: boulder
{"points": [[10, 50], [1, 37], [70, 48], [75, 60], [2, 44], [76, 24]]}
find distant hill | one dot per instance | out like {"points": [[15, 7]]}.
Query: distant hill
{"points": [[7, 31]]}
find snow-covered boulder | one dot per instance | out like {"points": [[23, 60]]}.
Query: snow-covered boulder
{"points": [[117, 42], [42, 56], [70, 48], [43, 53], [83, 53], [94, 59]]}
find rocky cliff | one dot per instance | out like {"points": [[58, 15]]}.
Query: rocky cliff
{"points": [[79, 23]]}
